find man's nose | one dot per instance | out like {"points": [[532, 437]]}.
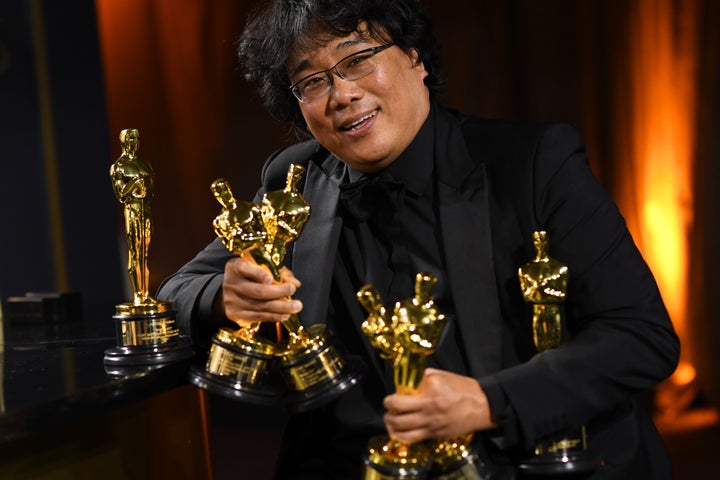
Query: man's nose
{"points": [[343, 92]]}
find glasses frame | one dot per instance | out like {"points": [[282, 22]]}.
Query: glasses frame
{"points": [[295, 87]]}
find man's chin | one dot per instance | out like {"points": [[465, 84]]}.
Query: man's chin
{"points": [[368, 165]]}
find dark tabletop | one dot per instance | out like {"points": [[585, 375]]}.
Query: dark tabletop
{"points": [[57, 377]]}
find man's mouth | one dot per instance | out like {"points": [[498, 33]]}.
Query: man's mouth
{"points": [[359, 122]]}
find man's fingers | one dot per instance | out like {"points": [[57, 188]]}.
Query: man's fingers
{"points": [[250, 294], [249, 270], [287, 276], [260, 292]]}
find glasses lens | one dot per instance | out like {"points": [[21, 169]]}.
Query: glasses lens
{"points": [[312, 88], [354, 67], [358, 66]]}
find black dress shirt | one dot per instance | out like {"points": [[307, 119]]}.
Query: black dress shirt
{"points": [[399, 237]]}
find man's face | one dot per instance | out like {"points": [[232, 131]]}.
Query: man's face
{"points": [[369, 122]]}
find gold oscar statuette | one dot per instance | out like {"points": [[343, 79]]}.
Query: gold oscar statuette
{"points": [[406, 336], [241, 360], [543, 282], [456, 459], [146, 331]]}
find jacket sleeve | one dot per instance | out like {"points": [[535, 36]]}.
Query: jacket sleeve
{"points": [[619, 339], [193, 289]]}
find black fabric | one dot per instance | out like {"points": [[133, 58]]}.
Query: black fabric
{"points": [[374, 203], [371, 196]]}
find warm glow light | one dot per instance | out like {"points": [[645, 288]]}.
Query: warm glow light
{"points": [[684, 374], [662, 132]]}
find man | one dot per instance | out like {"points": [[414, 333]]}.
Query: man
{"points": [[452, 195]]}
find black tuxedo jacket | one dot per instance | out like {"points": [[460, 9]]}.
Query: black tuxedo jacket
{"points": [[497, 183]]}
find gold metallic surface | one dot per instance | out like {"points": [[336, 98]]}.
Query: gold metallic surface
{"points": [[323, 366], [244, 368], [406, 337], [377, 327], [237, 341], [132, 181], [400, 458], [285, 213], [561, 446], [157, 331], [130, 309], [263, 233], [241, 229], [543, 282], [144, 320], [417, 326], [451, 452], [240, 225]]}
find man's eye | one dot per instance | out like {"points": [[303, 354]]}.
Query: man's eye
{"points": [[357, 61], [312, 84]]}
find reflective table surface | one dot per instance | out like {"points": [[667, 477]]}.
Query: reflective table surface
{"points": [[56, 379]]}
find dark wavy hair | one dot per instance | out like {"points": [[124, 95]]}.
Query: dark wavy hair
{"points": [[272, 33]]}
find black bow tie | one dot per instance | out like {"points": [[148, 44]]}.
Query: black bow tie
{"points": [[371, 196]]}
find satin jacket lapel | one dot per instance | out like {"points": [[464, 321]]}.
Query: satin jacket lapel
{"points": [[314, 251], [465, 222]]}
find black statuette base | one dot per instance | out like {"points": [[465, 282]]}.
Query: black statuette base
{"points": [[147, 338], [263, 394], [557, 464], [238, 367], [321, 393]]}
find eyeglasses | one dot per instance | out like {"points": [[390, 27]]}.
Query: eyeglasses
{"points": [[353, 67]]}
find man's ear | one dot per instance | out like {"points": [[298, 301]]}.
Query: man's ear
{"points": [[414, 55]]}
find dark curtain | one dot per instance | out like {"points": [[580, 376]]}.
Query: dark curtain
{"points": [[703, 326]]}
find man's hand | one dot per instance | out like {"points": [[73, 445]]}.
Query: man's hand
{"points": [[249, 293], [446, 405]]}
